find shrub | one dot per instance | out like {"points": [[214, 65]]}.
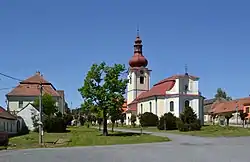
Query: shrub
{"points": [[188, 121], [54, 124], [82, 120], [133, 119], [148, 119], [67, 119], [167, 122]]}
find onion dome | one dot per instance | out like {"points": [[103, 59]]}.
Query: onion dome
{"points": [[138, 60]]}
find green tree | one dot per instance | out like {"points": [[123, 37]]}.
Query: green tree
{"points": [[188, 120], [133, 119], [167, 122], [188, 116], [243, 116], [88, 108], [48, 104], [104, 87], [220, 94], [228, 116], [114, 116], [122, 118]]}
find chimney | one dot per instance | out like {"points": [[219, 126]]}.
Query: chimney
{"points": [[38, 73]]}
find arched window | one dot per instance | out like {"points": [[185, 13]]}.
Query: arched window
{"points": [[171, 106], [150, 106], [187, 103], [141, 80], [141, 109]]}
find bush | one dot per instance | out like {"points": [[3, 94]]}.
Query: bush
{"points": [[167, 122], [82, 120], [67, 119], [188, 121], [133, 119], [148, 119], [54, 124]]}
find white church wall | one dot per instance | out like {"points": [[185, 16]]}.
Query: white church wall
{"points": [[175, 89], [153, 105], [134, 87], [176, 105]]}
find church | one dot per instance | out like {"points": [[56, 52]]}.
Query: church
{"points": [[168, 95]]}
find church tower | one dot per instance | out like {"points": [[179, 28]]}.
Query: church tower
{"points": [[138, 73]]}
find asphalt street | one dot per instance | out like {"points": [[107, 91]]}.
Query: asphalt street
{"points": [[181, 148]]}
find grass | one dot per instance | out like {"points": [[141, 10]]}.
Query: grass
{"points": [[206, 131], [81, 136], [218, 131]]}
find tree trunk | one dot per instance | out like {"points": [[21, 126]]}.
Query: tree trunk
{"points": [[99, 126], [113, 125], [227, 121], [105, 124]]}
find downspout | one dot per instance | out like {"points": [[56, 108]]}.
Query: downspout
{"points": [[136, 86], [156, 105]]}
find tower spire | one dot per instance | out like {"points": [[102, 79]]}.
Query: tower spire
{"points": [[186, 69], [138, 30]]}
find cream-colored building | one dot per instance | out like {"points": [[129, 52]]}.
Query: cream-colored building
{"points": [[169, 95], [28, 90]]}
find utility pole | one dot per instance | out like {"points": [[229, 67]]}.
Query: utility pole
{"points": [[40, 115], [237, 112]]}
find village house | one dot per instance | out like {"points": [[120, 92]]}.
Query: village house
{"points": [[222, 107], [8, 122], [168, 95], [27, 114], [28, 90]]}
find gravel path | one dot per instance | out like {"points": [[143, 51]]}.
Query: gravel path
{"points": [[181, 148]]}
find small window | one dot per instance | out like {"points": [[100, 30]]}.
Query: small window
{"points": [[141, 109], [186, 103], [141, 80], [20, 104], [247, 109], [150, 106], [130, 79], [171, 106]]}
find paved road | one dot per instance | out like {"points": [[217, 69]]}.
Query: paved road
{"points": [[182, 148]]}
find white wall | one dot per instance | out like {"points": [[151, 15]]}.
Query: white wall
{"points": [[176, 101], [134, 88], [13, 102], [27, 115]]}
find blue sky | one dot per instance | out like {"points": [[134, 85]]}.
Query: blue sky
{"points": [[63, 38]]}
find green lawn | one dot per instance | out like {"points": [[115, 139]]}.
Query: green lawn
{"points": [[80, 136], [206, 131]]}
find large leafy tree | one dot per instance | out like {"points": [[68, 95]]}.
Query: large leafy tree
{"points": [[48, 104], [220, 94], [115, 115], [104, 87]]}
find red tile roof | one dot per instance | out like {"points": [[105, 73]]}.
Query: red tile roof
{"points": [[35, 79], [229, 106], [160, 88], [30, 87], [6, 115]]}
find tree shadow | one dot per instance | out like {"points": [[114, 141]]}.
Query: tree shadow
{"points": [[124, 134]]}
